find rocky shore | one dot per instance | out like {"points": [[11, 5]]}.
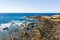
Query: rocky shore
{"points": [[46, 28]]}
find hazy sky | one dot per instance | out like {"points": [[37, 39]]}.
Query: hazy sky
{"points": [[30, 6]]}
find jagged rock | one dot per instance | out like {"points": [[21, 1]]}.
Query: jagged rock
{"points": [[37, 35], [46, 29]]}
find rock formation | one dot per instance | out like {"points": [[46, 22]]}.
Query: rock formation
{"points": [[45, 29]]}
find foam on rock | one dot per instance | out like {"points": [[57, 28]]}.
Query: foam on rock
{"points": [[43, 29]]}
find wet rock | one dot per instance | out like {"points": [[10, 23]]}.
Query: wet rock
{"points": [[46, 30], [6, 28]]}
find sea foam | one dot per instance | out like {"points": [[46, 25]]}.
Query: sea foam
{"points": [[21, 24]]}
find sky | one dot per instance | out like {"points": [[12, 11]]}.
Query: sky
{"points": [[30, 6]]}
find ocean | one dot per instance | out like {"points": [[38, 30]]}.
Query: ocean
{"points": [[7, 17], [16, 20]]}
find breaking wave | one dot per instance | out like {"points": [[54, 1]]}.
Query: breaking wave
{"points": [[13, 23]]}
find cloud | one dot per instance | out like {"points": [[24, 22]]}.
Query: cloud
{"points": [[28, 10]]}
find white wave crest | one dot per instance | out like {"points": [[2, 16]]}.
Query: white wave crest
{"points": [[20, 24]]}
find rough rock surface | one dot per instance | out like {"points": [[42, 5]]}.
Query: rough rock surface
{"points": [[44, 29]]}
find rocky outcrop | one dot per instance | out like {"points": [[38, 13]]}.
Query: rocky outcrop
{"points": [[48, 29], [44, 29]]}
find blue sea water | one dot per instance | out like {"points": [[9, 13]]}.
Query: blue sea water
{"points": [[6, 17]]}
